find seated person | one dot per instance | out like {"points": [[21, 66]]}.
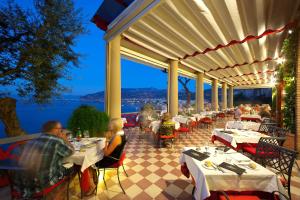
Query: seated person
{"points": [[265, 113], [115, 145], [42, 160], [237, 113], [166, 128]]}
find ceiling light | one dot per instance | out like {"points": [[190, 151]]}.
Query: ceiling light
{"points": [[280, 60]]}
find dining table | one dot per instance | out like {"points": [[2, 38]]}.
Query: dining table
{"points": [[88, 151], [229, 171], [236, 138], [251, 117], [244, 125]]}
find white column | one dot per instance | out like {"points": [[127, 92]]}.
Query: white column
{"points": [[199, 93], [230, 96], [113, 78], [214, 95], [173, 87], [224, 95]]}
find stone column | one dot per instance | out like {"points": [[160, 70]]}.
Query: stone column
{"points": [[224, 95], [199, 93], [214, 95], [173, 87], [230, 96], [113, 78]]}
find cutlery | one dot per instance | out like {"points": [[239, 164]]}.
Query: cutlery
{"points": [[218, 167]]}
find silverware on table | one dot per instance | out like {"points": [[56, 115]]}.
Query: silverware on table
{"points": [[218, 167]]}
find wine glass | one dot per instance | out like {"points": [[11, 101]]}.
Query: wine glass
{"points": [[86, 134], [206, 147]]}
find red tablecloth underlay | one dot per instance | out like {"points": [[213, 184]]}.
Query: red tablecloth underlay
{"points": [[239, 145]]}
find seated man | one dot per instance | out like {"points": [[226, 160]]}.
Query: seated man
{"points": [[42, 160], [166, 128], [237, 113]]}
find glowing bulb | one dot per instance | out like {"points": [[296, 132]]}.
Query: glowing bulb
{"points": [[280, 60], [290, 31]]}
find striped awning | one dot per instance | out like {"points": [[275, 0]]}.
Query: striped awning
{"points": [[235, 41], [108, 11]]}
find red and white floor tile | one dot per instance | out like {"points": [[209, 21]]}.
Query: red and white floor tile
{"points": [[154, 173]]}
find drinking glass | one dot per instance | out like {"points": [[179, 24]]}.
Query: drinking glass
{"points": [[70, 137], [86, 134], [206, 147]]}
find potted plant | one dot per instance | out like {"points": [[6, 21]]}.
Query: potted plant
{"points": [[88, 118]]}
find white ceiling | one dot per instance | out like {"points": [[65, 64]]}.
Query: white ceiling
{"points": [[177, 29]]}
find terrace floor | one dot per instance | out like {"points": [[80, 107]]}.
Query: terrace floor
{"points": [[154, 173]]}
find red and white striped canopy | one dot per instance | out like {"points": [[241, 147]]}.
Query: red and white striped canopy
{"points": [[235, 41]]}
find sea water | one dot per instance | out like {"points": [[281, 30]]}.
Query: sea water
{"points": [[32, 116]]}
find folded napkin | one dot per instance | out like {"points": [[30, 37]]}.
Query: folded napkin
{"points": [[239, 157], [233, 168], [195, 154], [228, 132]]}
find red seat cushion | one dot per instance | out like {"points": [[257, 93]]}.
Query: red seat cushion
{"points": [[283, 181], [119, 162], [239, 197], [129, 125], [183, 129], [167, 136], [250, 149]]}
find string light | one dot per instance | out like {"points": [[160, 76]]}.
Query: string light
{"points": [[280, 60]]}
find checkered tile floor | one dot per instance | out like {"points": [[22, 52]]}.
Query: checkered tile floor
{"points": [[154, 173]]}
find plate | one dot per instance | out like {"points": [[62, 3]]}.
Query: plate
{"points": [[210, 168]]}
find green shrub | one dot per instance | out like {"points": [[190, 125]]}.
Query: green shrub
{"points": [[89, 118]]}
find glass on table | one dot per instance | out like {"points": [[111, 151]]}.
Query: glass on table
{"points": [[86, 134]]}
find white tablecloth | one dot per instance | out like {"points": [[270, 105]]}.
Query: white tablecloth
{"points": [[124, 120], [156, 124], [91, 154], [242, 125], [254, 117], [260, 179], [183, 119], [239, 136]]}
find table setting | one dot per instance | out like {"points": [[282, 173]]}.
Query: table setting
{"points": [[224, 169], [88, 151], [236, 137]]}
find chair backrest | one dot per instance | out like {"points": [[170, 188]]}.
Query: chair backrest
{"points": [[277, 131], [121, 149], [131, 118], [166, 129], [279, 158]]}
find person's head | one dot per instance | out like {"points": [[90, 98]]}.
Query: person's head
{"points": [[115, 125], [166, 117], [52, 127]]}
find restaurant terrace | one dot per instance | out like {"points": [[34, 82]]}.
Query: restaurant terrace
{"points": [[227, 152]]}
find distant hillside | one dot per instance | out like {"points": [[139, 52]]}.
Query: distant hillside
{"points": [[137, 93], [241, 96]]}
